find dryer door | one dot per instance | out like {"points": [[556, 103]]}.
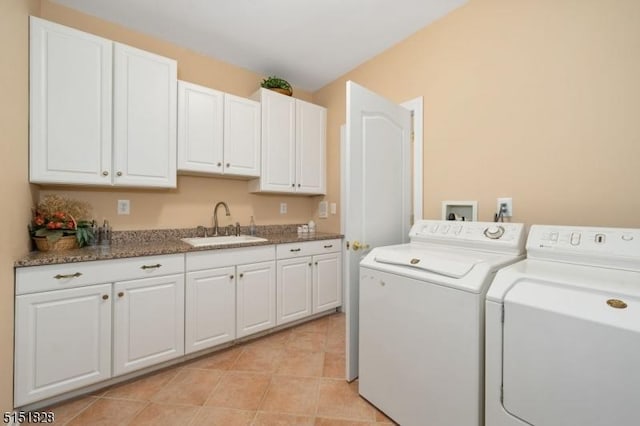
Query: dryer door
{"points": [[569, 358]]}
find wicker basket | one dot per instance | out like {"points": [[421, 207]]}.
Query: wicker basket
{"points": [[287, 92], [64, 243]]}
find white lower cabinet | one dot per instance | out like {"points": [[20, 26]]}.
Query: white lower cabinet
{"points": [[77, 324], [210, 308], [68, 315], [256, 298], [294, 289], [327, 281], [229, 294], [148, 322], [309, 278], [62, 341]]}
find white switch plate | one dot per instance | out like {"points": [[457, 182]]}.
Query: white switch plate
{"points": [[322, 210], [333, 208], [509, 202], [124, 207], [283, 208]]}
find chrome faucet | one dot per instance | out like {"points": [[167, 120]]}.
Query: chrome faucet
{"points": [[215, 216]]}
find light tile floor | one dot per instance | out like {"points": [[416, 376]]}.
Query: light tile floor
{"points": [[292, 377]]}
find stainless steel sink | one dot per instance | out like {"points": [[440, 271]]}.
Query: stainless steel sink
{"points": [[222, 241]]}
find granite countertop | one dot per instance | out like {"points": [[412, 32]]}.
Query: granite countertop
{"points": [[159, 242]]}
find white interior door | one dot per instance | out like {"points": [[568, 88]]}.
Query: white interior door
{"points": [[376, 190]]}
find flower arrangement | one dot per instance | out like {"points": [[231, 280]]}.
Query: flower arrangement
{"points": [[55, 217]]}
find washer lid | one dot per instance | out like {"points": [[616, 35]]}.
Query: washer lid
{"points": [[570, 355], [448, 265]]}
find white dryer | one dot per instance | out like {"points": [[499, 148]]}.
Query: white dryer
{"points": [[421, 341], [563, 331]]}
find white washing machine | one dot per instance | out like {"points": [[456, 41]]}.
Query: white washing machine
{"points": [[563, 331], [421, 338]]}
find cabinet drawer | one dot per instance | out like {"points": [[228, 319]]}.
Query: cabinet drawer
{"points": [[69, 275], [197, 261], [307, 248]]}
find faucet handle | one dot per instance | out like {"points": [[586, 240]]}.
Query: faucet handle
{"points": [[237, 229]]}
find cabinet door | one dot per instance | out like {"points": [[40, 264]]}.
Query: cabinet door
{"points": [[145, 87], [256, 298], [241, 136], [327, 281], [62, 341], [293, 289], [70, 105], [210, 308], [311, 133], [200, 128], [148, 325], [278, 142]]}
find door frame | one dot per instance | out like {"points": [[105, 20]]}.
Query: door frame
{"points": [[416, 107]]}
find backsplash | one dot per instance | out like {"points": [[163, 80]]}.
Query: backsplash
{"points": [[150, 235]]}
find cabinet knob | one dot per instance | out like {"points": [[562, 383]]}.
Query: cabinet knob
{"points": [[105, 296], [121, 294], [293, 185], [241, 275], [316, 263], [299, 185], [230, 277], [309, 263], [105, 173], [219, 164], [228, 164], [119, 174]]}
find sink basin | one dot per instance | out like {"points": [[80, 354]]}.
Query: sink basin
{"points": [[222, 241]]}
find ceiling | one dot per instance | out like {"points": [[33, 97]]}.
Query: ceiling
{"points": [[307, 42]]}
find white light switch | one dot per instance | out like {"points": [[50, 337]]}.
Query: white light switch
{"points": [[322, 210], [333, 208]]}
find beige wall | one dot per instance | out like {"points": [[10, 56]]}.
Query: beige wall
{"points": [[536, 99], [192, 202], [15, 190]]}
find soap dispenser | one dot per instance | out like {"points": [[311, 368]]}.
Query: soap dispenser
{"points": [[252, 227]]}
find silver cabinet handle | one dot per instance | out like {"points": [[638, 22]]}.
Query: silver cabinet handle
{"points": [[294, 250], [61, 276], [105, 297], [105, 173], [157, 265], [328, 246], [119, 173]]}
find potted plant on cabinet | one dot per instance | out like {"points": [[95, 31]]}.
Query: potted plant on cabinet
{"points": [[60, 223], [278, 85]]}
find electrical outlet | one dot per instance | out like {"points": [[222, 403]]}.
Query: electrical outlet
{"points": [[506, 206], [333, 208], [283, 208], [124, 207]]}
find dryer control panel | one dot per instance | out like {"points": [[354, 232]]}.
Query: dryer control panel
{"points": [[487, 236], [606, 247]]}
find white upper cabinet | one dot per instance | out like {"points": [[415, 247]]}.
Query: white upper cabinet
{"points": [[293, 145], [101, 113], [70, 105], [144, 126], [218, 133], [200, 128], [241, 136], [311, 135]]}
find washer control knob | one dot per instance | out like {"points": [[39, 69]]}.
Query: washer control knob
{"points": [[494, 232]]}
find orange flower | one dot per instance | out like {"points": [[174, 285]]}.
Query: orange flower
{"points": [[38, 221]]}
